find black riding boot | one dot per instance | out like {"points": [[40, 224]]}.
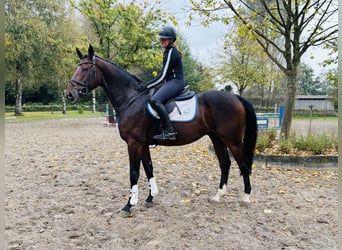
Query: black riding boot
{"points": [[168, 132]]}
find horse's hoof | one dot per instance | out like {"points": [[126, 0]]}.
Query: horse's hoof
{"points": [[148, 204], [125, 214], [246, 199], [215, 199]]}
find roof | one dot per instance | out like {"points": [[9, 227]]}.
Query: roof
{"points": [[313, 97]]}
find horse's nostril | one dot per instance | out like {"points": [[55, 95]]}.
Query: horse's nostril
{"points": [[84, 91], [69, 96]]}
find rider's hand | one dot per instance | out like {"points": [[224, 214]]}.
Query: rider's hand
{"points": [[141, 87]]}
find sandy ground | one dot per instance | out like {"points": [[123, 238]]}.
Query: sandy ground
{"points": [[66, 180], [315, 126]]}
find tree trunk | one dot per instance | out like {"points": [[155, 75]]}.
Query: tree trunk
{"points": [[18, 98], [289, 103]]}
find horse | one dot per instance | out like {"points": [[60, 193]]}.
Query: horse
{"points": [[228, 119]]}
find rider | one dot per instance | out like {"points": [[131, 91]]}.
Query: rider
{"points": [[170, 78]]}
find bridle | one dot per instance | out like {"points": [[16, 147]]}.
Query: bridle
{"points": [[84, 90]]}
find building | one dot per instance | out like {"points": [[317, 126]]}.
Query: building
{"points": [[315, 102]]}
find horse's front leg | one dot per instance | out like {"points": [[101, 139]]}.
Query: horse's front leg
{"points": [[148, 167], [135, 154]]}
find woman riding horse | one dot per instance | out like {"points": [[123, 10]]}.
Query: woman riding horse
{"points": [[171, 80], [229, 120]]}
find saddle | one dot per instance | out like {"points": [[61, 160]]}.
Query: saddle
{"points": [[182, 96], [181, 108]]}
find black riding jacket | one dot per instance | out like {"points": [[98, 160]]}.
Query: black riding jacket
{"points": [[172, 67]]}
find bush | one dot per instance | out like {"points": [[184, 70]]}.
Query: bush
{"points": [[316, 144], [38, 107], [265, 139], [285, 146], [80, 109]]}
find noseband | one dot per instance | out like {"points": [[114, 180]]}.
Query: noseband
{"points": [[84, 90]]}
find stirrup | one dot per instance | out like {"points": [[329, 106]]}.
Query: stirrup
{"points": [[164, 135]]}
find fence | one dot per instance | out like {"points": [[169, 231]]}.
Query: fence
{"points": [[271, 120]]}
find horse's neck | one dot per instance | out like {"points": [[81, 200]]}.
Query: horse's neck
{"points": [[117, 84]]}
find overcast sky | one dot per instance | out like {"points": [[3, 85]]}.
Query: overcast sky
{"points": [[201, 40], [204, 42]]}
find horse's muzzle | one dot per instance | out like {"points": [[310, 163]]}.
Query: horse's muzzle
{"points": [[73, 95]]}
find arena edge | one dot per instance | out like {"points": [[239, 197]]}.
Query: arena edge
{"points": [[313, 161]]}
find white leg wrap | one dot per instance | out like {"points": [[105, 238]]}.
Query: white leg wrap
{"points": [[134, 195], [220, 193], [153, 187], [245, 198]]}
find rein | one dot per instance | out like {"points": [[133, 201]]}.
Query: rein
{"points": [[84, 90], [126, 102]]}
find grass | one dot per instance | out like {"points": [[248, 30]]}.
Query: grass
{"points": [[329, 118], [31, 116]]}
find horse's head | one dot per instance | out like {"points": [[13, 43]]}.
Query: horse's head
{"points": [[84, 77]]}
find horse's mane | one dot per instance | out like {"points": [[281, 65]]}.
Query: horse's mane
{"points": [[119, 67]]}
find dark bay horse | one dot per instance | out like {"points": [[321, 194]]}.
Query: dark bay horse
{"points": [[229, 120]]}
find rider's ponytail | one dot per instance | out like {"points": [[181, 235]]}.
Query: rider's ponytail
{"points": [[176, 47]]}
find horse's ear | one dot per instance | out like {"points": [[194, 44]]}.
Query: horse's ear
{"points": [[79, 53], [90, 51]]}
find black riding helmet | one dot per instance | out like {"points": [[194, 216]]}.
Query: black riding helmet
{"points": [[168, 32]]}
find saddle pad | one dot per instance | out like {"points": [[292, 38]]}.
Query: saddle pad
{"points": [[187, 108]]}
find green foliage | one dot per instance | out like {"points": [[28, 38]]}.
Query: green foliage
{"points": [[285, 145], [275, 26], [265, 139], [310, 85], [125, 31], [80, 109], [29, 116], [39, 36], [316, 144], [195, 74], [39, 107], [332, 78]]}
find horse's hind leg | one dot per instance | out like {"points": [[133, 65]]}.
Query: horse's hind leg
{"points": [[224, 162], [237, 152], [148, 167]]}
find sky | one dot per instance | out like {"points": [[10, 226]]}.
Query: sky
{"points": [[204, 42]]}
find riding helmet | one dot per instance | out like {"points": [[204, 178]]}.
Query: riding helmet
{"points": [[168, 32]]}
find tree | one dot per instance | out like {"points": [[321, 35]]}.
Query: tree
{"points": [[125, 32], [308, 84], [289, 27], [195, 74], [242, 62], [37, 51], [332, 74], [18, 51]]}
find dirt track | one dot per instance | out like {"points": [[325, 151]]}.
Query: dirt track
{"points": [[67, 179], [317, 126]]}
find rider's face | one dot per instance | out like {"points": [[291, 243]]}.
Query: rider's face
{"points": [[164, 42]]}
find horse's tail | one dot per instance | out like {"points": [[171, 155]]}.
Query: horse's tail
{"points": [[250, 136]]}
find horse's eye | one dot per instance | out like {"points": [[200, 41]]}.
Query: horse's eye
{"points": [[84, 69]]}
